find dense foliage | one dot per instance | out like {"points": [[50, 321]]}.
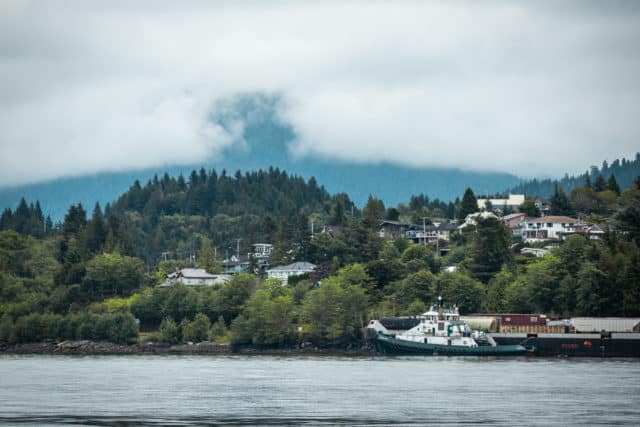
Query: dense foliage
{"points": [[624, 172], [92, 278]]}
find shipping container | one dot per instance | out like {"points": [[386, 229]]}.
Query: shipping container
{"points": [[533, 329], [608, 324], [516, 319], [481, 323]]}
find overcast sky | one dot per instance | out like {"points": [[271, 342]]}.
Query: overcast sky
{"points": [[530, 88]]}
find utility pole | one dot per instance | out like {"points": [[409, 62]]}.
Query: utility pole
{"points": [[424, 230], [238, 248], [164, 255]]}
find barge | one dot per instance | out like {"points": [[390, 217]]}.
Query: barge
{"points": [[540, 340]]}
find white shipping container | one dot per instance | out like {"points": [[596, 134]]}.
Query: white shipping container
{"points": [[608, 324]]}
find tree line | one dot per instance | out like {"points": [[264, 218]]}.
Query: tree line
{"points": [[90, 278]]}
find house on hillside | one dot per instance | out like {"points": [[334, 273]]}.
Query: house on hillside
{"points": [[262, 250], [396, 229], [236, 264], [551, 228], [537, 252], [283, 272], [515, 222], [543, 206], [513, 201], [439, 231], [472, 219], [195, 277], [593, 232]]}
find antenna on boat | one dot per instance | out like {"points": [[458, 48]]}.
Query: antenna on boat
{"points": [[440, 310]]}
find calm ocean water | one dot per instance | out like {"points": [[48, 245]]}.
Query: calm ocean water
{"points": [[259, 390]]}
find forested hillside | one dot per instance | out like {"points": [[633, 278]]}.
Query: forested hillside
{"points": [[171, 215], [90, 278], [625, 172]]}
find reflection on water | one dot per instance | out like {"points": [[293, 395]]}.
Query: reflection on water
{"points": [[239, 390]]}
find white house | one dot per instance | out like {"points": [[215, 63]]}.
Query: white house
{"points": [[537, 252], [515, 222], [472, 219], [431, 233], [195, 277], [513, 201], [550, 228], [262, 250], [283, 272]]}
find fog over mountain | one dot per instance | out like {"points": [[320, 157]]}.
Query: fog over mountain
{"points": [[265, 142], [530, 89]]}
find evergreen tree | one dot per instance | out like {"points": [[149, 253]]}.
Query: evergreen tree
{"points": [[21, 217], [560, 204], [612, 185], [392, 214], [206, 256], [75, 220], [337, 217], [304, 235], [600, 184], [490, 248], [469, 204], [96, 231], [529, 208], [48, 225], [6, 220], [373, 212]]}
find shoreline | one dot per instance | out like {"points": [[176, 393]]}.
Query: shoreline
{"points": [[88, 348]]}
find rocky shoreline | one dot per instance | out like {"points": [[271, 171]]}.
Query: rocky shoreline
{"points": [[108, 348]]}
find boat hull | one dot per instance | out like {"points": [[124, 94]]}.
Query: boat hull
{"points": [[386, 344]]}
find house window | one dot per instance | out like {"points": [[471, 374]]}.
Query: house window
{"points": [[549, 225]]}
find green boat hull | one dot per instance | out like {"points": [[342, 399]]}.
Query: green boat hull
{"points": [[386, 344]]}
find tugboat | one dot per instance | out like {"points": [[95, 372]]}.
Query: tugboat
{"points": [[438, 332]]}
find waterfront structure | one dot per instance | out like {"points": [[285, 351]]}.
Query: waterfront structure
{"points": [[195, 277], [283, 272]]}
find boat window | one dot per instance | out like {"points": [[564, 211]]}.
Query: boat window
{"points": [[441, 326]]}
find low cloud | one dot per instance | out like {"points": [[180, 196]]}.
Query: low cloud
{"points": [[531, 89]]}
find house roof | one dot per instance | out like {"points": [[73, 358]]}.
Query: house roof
{"points": [[596, 229], [513, 216], [447, 226], [398, 223], [196, 273], [554, 219], [296, 266]]}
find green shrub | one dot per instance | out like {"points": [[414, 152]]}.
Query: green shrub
{"points": [[169, 331], [196, 330]]}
